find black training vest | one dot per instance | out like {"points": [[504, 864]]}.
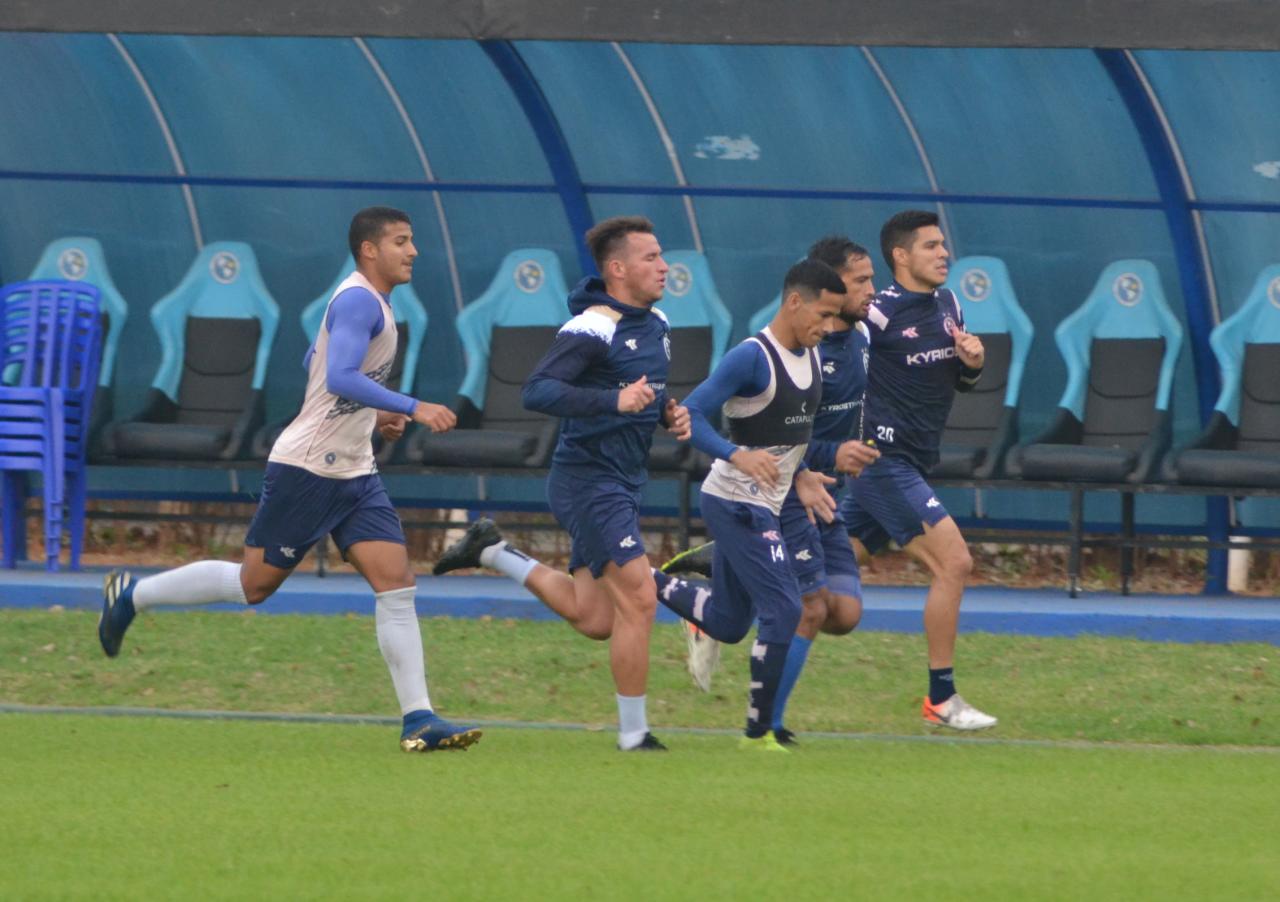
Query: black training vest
{"points": [[788, 418]]}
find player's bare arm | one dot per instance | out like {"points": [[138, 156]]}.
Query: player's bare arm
{"points": [[391, 425]]}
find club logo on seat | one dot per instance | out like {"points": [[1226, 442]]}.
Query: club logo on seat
{"points": [[73, 264], [679, 280], [224, 267], [1127, 289], [529, 276], [975, 285], [1273, 292]]}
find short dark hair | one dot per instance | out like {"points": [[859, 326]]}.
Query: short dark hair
{"points": [[367, 225], [811, 278], [837, 251], [900, 230], [606, 238]]}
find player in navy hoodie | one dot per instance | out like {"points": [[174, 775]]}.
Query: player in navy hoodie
{"points": [[920, 357], [605, 376]]}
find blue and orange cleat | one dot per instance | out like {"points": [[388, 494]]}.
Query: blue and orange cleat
{"points": [[117, 610]]}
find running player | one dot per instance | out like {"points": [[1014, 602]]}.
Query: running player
{"points": [[821, 555], [920, 356], [606, 377], [322, 479], [769, 387]]}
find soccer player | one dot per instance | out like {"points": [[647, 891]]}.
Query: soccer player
{"points": [[822, 557], [322, 479], [605, 376], [769, 388], [920, 356]]}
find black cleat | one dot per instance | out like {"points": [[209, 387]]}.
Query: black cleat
{"points": [[786, 737], [466, 551], [650, 743], [694, 560]]}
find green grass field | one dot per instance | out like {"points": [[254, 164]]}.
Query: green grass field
{"points": [[1184, 804]]}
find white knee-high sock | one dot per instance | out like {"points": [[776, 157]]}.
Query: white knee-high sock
{"points": [[400, 638], [204, 582]]}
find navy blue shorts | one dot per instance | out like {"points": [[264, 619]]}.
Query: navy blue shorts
{"points": [[890, 500], [816, 551], [298, 508], [601, 517], [751, 571]]}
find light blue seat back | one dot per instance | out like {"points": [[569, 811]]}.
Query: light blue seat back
{"points": [[80, 259], [1127, 302], [527, 290], [1256, 322], [691, 299], [990, 306], [764, 315], [223, 283], [406, 307]]}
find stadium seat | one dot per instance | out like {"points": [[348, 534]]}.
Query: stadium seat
{"points": [[1113, 421], [216, 329], [700, 330], [49, 356], [1241, 444], [411, 329], [983, 424], [80, 259], [764, 315], [504, 333]]}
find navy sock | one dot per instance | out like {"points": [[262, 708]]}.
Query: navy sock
{"points": [[797, 654], [767, 662], [692, 600], [942, 685]]}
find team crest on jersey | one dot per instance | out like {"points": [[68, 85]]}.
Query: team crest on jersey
{"points": [[975, 285], [679, 279], [529, 276], [1273, 292], [224, 266], [73, 264], [1127, 289], [866, 359], [666, 345], [948, 325]]}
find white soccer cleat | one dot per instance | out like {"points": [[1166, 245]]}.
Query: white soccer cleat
{"points": [[957, 714], [704, 656]]}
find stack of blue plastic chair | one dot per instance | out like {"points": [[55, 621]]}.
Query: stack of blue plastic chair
{"points": [[50, 347]]}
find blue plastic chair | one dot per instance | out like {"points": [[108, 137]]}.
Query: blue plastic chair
{"points": [[692, 301], [527, 290], [49, 357]]}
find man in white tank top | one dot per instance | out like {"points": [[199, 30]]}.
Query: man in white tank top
{"points": [[322, 480]]}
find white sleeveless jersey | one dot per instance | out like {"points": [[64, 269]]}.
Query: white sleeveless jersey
{"points": [[727, 481], [332, 436]]}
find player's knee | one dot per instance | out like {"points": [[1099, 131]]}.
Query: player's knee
{"points": [[844, 613], [257, 594], [958, 563], [814, 612]]}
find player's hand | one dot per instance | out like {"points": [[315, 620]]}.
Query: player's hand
{"points": [[636, 396], [758, 464], [852, 456], [391, 425], [811, 489], [970, 350], [435, 417], [678, 422]]}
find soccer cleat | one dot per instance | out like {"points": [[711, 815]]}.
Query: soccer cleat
{"points": [[117, 610], [650, 743], [703, 655], [785, 737], [766, 743], [957, 714], [466, 551], [693, 560], [435, 734]]}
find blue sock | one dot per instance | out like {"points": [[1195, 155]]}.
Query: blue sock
{"points": [[767, 661], [692, 600], [942, 685], [796, 656]]}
